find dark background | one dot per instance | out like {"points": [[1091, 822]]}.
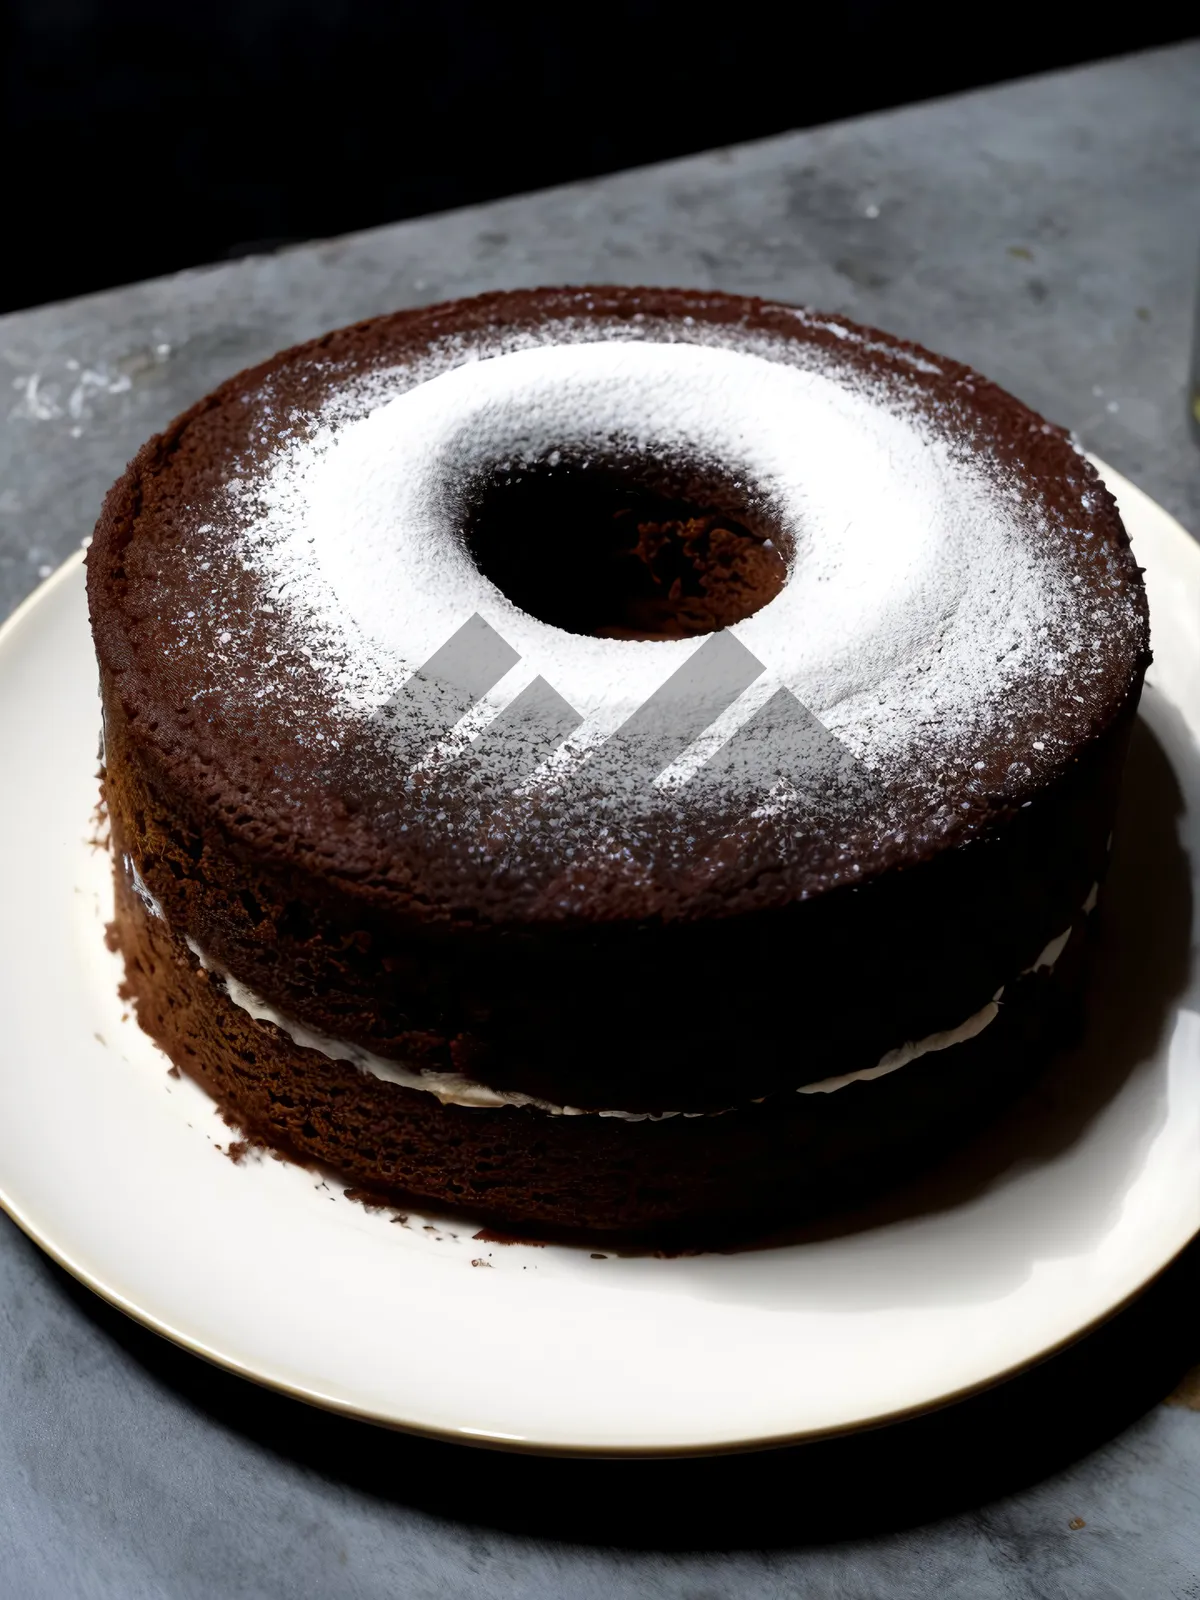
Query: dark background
{"points": [[142, 137]]}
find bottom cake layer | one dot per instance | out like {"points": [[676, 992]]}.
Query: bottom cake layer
{"points": [[664, 1182]]}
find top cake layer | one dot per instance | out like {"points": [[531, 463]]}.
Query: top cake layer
{"points": [[961, 612]]}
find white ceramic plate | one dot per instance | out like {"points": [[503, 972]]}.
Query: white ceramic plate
{"points": [[1062, 1213]]}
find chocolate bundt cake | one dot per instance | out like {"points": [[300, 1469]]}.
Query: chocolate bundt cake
{"points": [[617, 760]]}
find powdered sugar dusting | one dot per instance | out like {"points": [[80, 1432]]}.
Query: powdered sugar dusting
{"points": [[916, 598], [931, 610]]}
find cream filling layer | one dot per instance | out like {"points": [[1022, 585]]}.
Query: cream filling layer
{"points": [[895, 1059], [452, 1089]]}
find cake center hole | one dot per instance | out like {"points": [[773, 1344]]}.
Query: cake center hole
{"points": [[593, 551]]}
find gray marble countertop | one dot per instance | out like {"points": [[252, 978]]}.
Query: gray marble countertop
{"points": [[1046, 232]]}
